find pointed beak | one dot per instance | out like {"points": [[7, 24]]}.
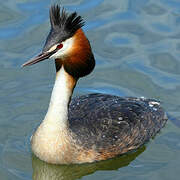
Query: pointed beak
{"points": [[40, 57]]}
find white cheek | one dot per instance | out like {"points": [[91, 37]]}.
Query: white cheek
{"points": [[67, 45]]}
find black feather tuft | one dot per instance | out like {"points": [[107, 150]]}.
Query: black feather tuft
{"points": [[60, 20], [63, 26]]}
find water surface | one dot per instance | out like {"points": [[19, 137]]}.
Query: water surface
{"points": [[136, 44]]}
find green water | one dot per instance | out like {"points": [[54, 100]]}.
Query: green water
{"points": [[136, 44]]}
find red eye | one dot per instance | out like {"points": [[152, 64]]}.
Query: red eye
{"points": [[59, 46]]}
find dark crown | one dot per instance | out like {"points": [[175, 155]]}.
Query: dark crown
{"points": [[61, 20], [63, 26]]}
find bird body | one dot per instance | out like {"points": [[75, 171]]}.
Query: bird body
{"points": [[92, 127]]}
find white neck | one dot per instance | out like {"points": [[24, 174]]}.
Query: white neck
{"points": [[57, 114]]}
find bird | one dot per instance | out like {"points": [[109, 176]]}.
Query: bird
{"points": [[91, 127]]}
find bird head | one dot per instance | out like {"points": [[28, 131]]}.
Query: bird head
{"points": [[67, 44]]}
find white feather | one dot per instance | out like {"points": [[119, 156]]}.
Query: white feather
{"points": [[51, 137], [58, 107], [67, 45]]}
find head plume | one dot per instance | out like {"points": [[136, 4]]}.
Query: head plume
{"points": [[61, 20], [63, 25]]}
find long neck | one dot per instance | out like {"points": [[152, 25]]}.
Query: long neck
{"points": [[58, 108]]}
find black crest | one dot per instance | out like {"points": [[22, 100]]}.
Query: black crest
{"points": [[63, 25], [61, 20]]}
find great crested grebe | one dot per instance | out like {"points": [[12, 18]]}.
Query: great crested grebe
{"points": [[91, 127]]}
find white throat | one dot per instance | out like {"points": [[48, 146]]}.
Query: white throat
{"points": [[57, 113], [51, 139]]}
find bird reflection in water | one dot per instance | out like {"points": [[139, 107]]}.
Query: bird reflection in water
{"points": [[45, 171]]}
